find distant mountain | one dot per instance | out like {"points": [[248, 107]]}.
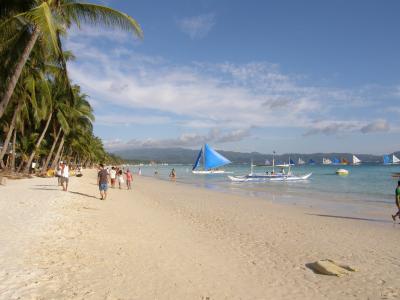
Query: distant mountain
{"points": [[188, 156]]}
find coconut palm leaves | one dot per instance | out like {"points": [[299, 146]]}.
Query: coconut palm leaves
{"points": [[43, 115], [46, 20]]}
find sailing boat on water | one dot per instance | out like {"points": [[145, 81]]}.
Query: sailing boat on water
{"points": [[301, 162], [326, 161], [356, 160], [393, 160], [211, 160]]}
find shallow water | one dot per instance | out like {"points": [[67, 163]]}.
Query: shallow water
{"points": [[367, 187]]}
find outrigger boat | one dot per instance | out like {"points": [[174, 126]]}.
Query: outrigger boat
{"points": [[211, 161], [270, 176]]}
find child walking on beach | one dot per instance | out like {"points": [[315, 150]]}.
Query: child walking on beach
{"points": [[397, 192], [120, 179]]}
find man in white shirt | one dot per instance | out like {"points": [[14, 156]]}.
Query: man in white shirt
{"points": [[113, 174], [64, 177]]}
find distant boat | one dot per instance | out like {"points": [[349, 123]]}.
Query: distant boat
{"points": [[267, 162], [344, 161], [210, 160], [342, 172], [326, 161], [390, 160], [300, 161], [335, 161], [311, 162], [356, 160], [285, 165]]}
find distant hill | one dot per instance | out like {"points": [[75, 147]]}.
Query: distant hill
{"points": [[188, 156]]}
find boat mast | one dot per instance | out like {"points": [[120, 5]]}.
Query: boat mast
{"points": [[273, 161], [204, 155]]}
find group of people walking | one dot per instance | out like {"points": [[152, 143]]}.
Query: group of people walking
{"points": [[113, 175]]}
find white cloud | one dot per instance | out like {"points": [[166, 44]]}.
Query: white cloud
{"points": [[197, 27], [376, 126], [345, 127], [118, 119], [201, 96], [185, 140]]}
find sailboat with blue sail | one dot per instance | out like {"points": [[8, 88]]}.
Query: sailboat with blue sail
{"points": [[208, 161], [391, 160]]}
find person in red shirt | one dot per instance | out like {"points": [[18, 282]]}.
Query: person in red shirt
{"points": [[128, 179]]}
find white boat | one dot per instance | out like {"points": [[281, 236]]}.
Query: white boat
{"points": [[395, 160], [342, 172], [301, 162], [356, 160], [264, 178], [270, 176], [210, 160], [326, 161]]}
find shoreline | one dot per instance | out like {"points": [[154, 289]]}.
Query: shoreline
{"points": [[351, 204], [168, 240]]}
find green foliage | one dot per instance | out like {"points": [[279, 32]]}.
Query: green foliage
{"points": [[43, 91]]}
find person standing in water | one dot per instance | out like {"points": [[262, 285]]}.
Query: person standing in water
{"points": [[102, 181], [397, 192], [172, 175]]}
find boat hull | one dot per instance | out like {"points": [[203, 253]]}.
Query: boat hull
{"points": [[267, 178], [210, 172], [342, 172]]}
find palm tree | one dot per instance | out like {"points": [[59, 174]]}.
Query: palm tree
{"points": [[48, 19]]}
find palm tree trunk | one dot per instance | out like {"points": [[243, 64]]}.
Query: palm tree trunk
{"points": [[55, 161], [9, 135], [51, 151], [12, 81], [20, 165], [38, 143], [13, 151]]}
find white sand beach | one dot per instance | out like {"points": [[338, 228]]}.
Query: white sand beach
{"points": [[166, 240]]}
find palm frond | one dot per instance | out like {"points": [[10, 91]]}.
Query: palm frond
{"points": [[42, 17], [100, 15]]}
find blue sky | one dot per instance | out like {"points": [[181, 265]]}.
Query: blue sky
{"points": [[290, 76]]}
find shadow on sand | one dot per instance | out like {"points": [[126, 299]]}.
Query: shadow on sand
{"points": [[82, 194], [350, 218]]}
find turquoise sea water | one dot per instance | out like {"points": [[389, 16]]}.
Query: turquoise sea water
{"points": [[369, 186]]}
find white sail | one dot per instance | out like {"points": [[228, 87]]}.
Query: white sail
{"points": [[301, 162], [395, 160], [326, 161], [356, 160]]}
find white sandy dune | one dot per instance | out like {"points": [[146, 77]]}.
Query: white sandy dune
{"points": [[164, 240]]}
